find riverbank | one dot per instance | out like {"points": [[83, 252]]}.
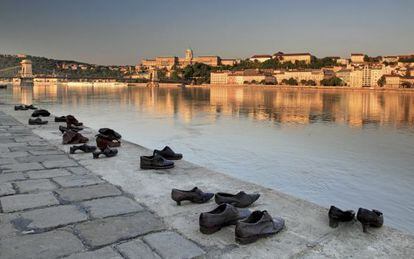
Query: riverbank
{"points": [[304, 237]]}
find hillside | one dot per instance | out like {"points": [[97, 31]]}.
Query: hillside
{"points": [[66, 68]]}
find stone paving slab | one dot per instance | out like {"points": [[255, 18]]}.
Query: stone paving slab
{"points": [[25, 147], [19, 167], [9, 154], [47, 173], [45, 152], [136, 249], [172, 245], [45, 245], [111, 206], [41, 158], [6, 189], [59, 163], [50, 217], [88, 192], [78, 170], [9, 177], [95, 233], [7, 160], [35, 185], [103, 253], [77, 180], [27, 201]]}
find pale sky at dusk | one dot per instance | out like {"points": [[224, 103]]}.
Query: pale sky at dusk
{"points": [[122, 32]]}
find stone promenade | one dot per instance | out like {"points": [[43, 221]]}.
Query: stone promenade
{"points": [[52, 207], [55, 204]]}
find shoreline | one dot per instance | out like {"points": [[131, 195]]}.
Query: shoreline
{"points": [[251, 86], [284, 87], [308, 236]]}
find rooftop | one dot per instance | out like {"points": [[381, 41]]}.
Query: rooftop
{"points": [[261, 56]]}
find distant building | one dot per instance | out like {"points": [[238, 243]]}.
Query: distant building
{"points": [[293, 57], [392, 81], [228, 62], [390, 59], [355, 78], [219, 78], [316, 75], [189, 59], [247, 76], [342, 61], [367, 76], [260, 58], [357, 58]]}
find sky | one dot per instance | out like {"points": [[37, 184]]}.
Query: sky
{"points": [[122, 32]]}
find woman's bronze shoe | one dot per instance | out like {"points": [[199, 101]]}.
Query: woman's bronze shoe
{"points": [[195, 195], [337, 215], [370, 218]]}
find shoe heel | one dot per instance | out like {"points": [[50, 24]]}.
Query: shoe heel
{"points": [[95, 155], [209, 231], [178, 203], [365, 228], [333, 223], [246, 240]]}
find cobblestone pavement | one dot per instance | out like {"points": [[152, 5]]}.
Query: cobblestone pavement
{"points": [[52, 207]]}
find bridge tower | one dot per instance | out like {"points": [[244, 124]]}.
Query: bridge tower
{"points": [[154, 80], [26, 73]]}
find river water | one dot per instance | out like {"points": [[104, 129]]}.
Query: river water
{"points": [[348, 148]]}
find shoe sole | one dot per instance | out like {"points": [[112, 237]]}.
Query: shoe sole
{"points": [[252, 239], [212, 230], [156, 167]]}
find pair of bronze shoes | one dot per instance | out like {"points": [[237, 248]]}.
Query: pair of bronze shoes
{"points": [[250, 226], [368, 218], [24, 107], [106, 140], [160, 159], [240, 200]]}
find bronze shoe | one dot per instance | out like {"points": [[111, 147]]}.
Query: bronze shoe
{"points": [[370, 218], [258, 225], [224, 215], [240, 200], [195, 195]]}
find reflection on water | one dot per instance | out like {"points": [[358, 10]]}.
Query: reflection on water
{"points": [[349, 148], [354, 108]]}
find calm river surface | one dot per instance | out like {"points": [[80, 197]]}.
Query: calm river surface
{"points": [[349, 148]]}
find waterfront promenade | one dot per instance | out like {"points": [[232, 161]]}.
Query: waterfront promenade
{"points": [[54, 205]]}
